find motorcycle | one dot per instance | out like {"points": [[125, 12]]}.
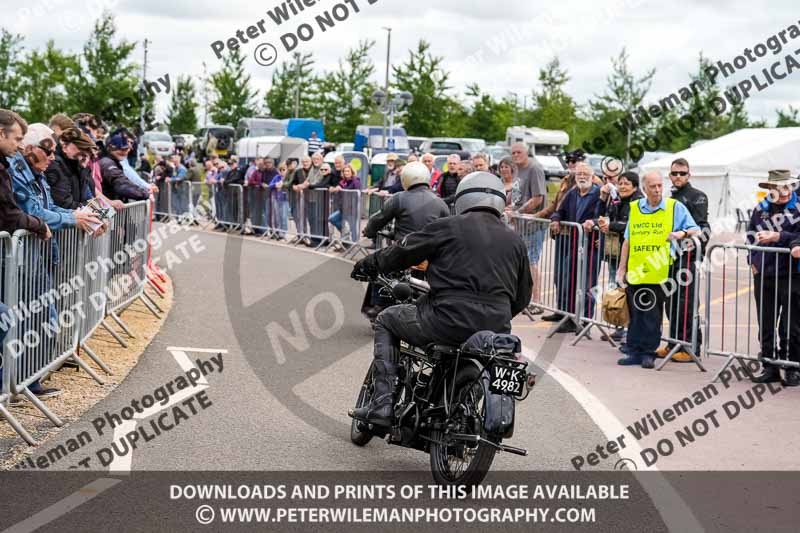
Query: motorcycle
{"points": [[455, 403], [385, 296]]}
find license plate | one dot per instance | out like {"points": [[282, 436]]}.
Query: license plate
{"points": [[506, 380]]}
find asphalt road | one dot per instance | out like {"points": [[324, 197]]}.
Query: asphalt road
{"points": [[254, 423], [294, 351]]}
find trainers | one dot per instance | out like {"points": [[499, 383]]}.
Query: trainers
{"points": [[662, 352], [618, 335], [623, 348], [648, 361], [535, 309], [43, 393], [631, 360], [551, 318]]}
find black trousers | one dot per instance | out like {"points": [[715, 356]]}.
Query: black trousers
{"points": [[646, 307], [396, 323], [778, 313], [680, 306]]}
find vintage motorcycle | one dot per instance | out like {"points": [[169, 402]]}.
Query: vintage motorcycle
{"points": [[455, 403]]}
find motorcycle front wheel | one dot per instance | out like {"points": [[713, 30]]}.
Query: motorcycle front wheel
{"points": [[456, 462], [359, 432]]}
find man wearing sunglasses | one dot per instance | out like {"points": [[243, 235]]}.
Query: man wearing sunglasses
{"points": [[680, 306]]}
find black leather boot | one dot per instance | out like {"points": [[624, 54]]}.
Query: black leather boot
{"points": [[771, 374], [380, 411]]}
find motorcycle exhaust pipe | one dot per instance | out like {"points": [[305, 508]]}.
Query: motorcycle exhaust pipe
{"points": [[500, 447]]}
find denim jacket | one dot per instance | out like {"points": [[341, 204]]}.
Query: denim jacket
{"points": [[32, 193]]}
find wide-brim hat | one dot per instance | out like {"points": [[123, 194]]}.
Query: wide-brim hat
{"points": [[779, 178]]}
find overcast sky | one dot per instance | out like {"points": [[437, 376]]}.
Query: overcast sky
{"points": [[500, 44]]}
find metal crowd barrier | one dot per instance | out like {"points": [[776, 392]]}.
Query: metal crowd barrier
{"points": [[766, 307], [681, 295], [259, 209], [683, 302], [163, 198], [59, 292], [180, 199], [345, 219], [229, 205], [559, 271], [316, 211], [6, 264], [128, 251]]}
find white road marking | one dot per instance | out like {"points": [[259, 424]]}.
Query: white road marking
{"points": [[675, 513]]}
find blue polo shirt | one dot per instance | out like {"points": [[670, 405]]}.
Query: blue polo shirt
{"points": [[682, 220]]}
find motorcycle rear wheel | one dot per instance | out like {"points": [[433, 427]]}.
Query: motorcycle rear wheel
{"points": [[359, 432], [457, 462]]}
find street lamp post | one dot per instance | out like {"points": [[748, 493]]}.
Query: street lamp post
{"points": [[388, 106], [388, 62]]}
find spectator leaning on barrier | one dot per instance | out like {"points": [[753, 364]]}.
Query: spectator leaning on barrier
{"points": [[680, 307], [180, 189], [580, 205], [280, 200], [295, 199], [447, 184], [12, 131], [655, 223], [529, 180], [346, 204], [114, 183], [775, 223], [71, 183], [127, 166], [338, 167], [612, 221]]}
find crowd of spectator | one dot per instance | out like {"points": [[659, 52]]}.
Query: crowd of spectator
{"points": [[48, 175]]}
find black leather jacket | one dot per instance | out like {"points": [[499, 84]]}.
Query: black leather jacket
{"points": [[411, 211], [478, 272]]}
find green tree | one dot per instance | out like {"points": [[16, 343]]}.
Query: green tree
{"points": [[10, 86], [44, 77], [286, 81], [624, 94], [233, 98], [182, 115], [789, 118], [423, 76], [489, 117], [554, 108], [106, 82]]}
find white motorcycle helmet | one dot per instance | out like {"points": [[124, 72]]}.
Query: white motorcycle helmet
{"points": [[414, 173], [480, 189]]}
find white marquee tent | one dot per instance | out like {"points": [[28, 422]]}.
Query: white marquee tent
{"points": [[729, 168]]}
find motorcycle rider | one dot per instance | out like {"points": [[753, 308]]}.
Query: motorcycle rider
{"points": [[479, 279], [411, 210]]}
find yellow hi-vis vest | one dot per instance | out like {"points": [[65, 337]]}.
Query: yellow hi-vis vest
{"points": [[649, 250]]}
